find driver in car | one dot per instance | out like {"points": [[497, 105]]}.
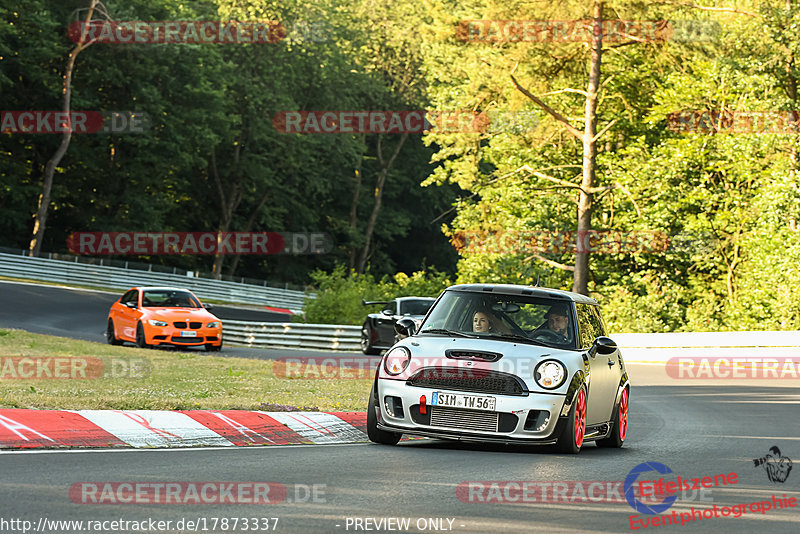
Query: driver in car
{"points": [[557, 321]]}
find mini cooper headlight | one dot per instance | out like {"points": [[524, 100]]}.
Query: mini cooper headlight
{"points": [[157, 323], [213, 324], [397, 360], [550, 374]]}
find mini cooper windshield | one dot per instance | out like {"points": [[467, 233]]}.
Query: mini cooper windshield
{"points": [[527, 319]]}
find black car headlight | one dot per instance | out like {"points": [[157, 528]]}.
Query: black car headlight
{"points": [[550, 374], [397, 360]]}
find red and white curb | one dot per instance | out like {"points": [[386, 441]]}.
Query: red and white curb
{"points": [[20, 429]]}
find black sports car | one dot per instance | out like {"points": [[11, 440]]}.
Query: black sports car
{"points": [[378, 332]]}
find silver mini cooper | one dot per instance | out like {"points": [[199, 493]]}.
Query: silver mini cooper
{"points": [[503, 363]]}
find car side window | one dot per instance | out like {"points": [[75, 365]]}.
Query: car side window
{"points": [[589, 324], [130, 296], [599, 324]]}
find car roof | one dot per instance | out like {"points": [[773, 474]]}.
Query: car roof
{"points": [[512, 289], [160, 288], [415, 298]]}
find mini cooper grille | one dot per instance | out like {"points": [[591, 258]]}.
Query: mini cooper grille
{"points": [[473, 355], [466, 379], [464, 419], [182, 324]]}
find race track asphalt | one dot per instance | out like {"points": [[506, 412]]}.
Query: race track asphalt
{"points": [[695, 431]]}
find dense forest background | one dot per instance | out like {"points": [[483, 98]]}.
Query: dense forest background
{"points": [[213, 161]]}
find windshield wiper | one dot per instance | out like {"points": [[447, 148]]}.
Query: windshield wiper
{"points": [[520, 338], [446, 331]]}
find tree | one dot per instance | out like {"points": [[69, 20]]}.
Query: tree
{"points": [[40, 219], [589, 139]]}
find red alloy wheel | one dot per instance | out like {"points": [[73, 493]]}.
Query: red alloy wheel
{"points": [[623, 415], [580, 418]]}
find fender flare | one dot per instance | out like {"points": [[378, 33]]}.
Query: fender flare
{"points": [[624, 382], [579, 379]]}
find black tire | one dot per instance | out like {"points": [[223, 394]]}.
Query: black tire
{"points": [[570, 441], [140, 339], [111, 337], [619, 425], [366, 342], [373, 433]]}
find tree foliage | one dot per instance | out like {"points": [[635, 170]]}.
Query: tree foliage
{"points": [[212, 160]]}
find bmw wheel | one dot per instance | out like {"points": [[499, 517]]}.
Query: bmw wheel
{"points": [[111, 337], [141, 341], [366, 340]]}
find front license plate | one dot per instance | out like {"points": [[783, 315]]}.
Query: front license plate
{"points": [[456, 400], [188, 333]]}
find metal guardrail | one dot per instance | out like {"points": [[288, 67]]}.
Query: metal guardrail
{"points": [[636, 348], [118, 278], [292, 335], [659, 348]]}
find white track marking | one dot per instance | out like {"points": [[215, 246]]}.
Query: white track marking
{"points": [[319, 427], [154, 428]]}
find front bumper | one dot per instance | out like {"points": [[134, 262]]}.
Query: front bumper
{"points": [[168, 335], [530, 418]]}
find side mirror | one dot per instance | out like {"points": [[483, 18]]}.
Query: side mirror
{"points": [[387, 311], [405, 327], [131, 305], [604, 345], [208, 306]]}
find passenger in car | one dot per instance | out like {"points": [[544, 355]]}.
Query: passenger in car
{"points": [[484, 321], [480, 322]]}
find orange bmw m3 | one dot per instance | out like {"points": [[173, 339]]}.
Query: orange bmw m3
{"points": [[153, 316]]}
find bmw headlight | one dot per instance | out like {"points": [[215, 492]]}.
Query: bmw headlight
{"points": [[397, 360], [550, 374], [157, 323], [213, 324]]}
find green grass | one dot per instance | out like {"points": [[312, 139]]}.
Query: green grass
{"points": [[173, 380]]}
